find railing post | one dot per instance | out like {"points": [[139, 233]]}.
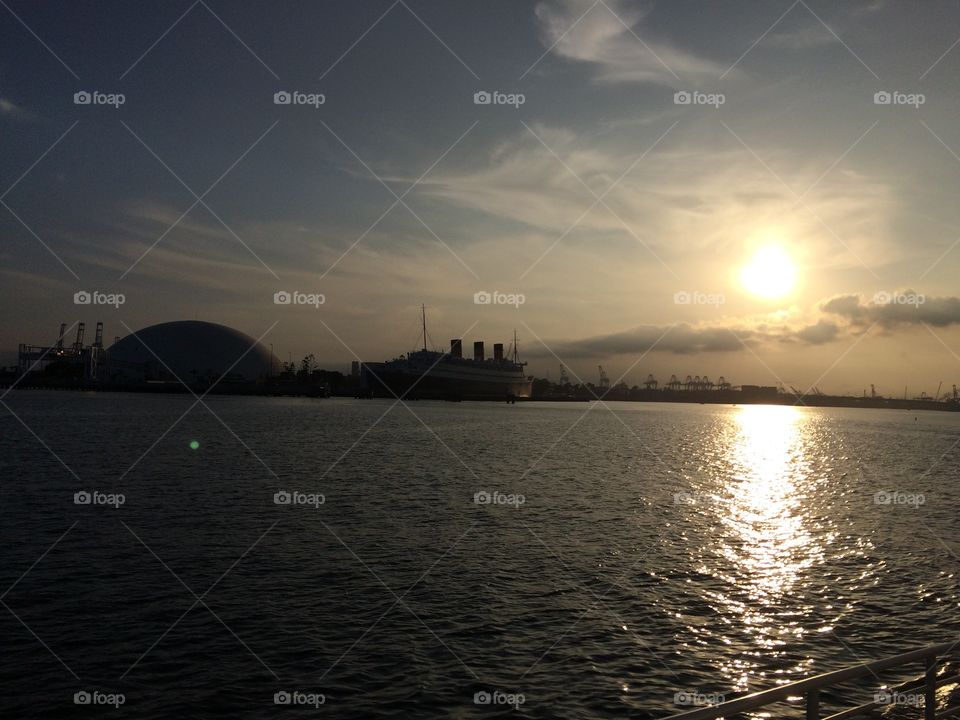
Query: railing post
{"points": [[930, 689], [813, 704]]}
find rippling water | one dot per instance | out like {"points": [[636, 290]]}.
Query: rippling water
{"points": [[630, 559]]}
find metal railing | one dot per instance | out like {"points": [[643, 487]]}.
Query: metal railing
{"points": [[809, 688]]}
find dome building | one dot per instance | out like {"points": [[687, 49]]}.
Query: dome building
{"points": [[198, 353]]}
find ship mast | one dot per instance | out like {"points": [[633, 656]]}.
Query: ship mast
{"points": [[423, 311], [515, 355]]}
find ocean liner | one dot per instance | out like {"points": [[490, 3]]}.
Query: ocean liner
{"points": [[431, 375]]}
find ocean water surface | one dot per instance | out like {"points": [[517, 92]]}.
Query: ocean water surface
{"points": [[272, 557]]}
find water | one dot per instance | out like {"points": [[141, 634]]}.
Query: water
{"points": [[656, 549]]}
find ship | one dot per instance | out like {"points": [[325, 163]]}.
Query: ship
{"points": [[433, 375]]}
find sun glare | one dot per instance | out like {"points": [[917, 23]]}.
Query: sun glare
{"points": [[770, 274]]}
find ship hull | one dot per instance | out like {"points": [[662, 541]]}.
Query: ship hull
{"points": [[441, 383]]}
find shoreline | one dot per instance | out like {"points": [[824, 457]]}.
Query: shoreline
{"points": [[717, 397]]}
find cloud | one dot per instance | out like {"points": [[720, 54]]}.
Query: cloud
{"points": [[608, 38], [810, 36], [680, 198], [731, 336], [895, 309], [820, 333], [682, 339]]}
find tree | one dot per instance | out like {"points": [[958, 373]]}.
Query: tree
{"points": [[307, 365]]}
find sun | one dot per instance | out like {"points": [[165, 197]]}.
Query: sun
{"points": [[770, 274]]}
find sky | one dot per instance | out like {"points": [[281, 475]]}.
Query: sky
{"points": [[633, 159]]}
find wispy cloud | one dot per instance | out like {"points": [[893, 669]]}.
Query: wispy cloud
{"points": [[613, 39]]}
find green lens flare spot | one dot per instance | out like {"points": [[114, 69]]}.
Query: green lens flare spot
{"points": [[194, 445]]}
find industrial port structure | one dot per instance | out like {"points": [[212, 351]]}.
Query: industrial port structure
{"points": [[197, 356], [75, 361], [701, 389]]}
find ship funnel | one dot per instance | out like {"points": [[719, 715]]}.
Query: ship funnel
{"points": [[478, 350], [498, 352], [456, 348]]}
